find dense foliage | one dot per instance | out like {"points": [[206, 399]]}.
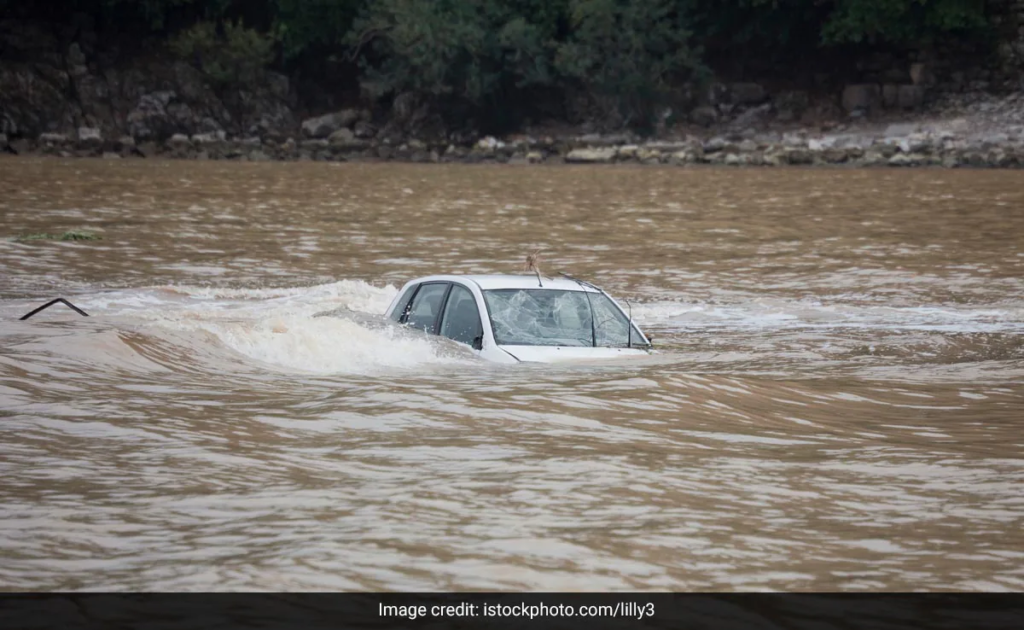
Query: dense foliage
{"points": [[624, 57]]}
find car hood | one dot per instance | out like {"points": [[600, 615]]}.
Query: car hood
{"points": [[553, 354]]}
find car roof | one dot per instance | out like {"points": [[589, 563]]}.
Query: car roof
{"points": [[502, 281]]}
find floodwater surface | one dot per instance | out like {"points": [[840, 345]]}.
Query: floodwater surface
{"points": [[836, 401]]}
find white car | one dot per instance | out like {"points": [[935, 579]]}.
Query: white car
{"points": [[506, 318]]}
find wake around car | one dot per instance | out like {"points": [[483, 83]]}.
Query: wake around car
{"points": [[512, 318]]}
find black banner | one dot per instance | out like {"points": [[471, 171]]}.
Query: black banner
{"points": [[271, 611]]}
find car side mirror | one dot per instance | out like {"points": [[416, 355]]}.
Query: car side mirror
{"points": [[478, 342]]}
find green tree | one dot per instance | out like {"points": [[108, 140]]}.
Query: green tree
{"points": [[490, 54], [231, 55], [302, 25], [901, 21], [629, 53]]}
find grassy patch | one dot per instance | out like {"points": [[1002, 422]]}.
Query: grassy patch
{"points": [[70, 235]]}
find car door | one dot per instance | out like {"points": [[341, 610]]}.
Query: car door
{"points": [[424, 310], [461, 318]]}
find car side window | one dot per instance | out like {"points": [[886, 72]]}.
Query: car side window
{"points": [[461, 320], [425, 307], [403, 303]]}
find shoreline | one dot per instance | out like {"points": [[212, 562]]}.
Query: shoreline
{"points": [[918, 152], [986, 134]]}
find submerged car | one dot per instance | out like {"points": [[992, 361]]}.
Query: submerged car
{"points": [[509, 318]]}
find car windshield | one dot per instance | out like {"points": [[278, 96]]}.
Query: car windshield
{"points": [[551, 317]]}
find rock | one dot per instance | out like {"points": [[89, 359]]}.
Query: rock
{"points": [[148, 149], [3, 141], [534, 157], [110, 155], [342, 137], [684, 156], [917, 143], [747, 146], [21, 146], [890, 95], [902, 159], [861, 97], [796, 140], [835, 155], [258, 156], [732, 160], [488, 146], [404, 106], [278, 84], [798, 156], [125, 143], [791, 105], [714, 144], [324, 126], [89, 137], [718, 93], [874, 158], [911, 96], [752, 116], [154, 117], [52, 138], [773, 156], [921, 74], [705, 115], [314, 145], [178, 140], [364, 129], [627, 152], [591, 156], [648, 156], [747, 93], [901, 129], [821, 144], [210, 138]]}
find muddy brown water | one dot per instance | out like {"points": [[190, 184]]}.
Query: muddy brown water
{"points": [[836, 402]]}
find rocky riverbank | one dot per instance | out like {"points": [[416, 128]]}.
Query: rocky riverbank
{"points": [[84, 99], [965, 131]]}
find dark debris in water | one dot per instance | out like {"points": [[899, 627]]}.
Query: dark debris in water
{"points": [[70, 235]]}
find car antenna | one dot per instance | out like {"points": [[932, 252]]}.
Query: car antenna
{"points": [[531, 265]]}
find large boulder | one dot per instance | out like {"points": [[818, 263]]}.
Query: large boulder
{"points": [[748, 93], [345, 139], [861, 97], [341, 137], [705, 115], [591, 156], [911, 96], [324, 126], [89, 137]]}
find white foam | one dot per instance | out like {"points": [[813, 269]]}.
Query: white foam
{"points": [[279, 327], [780, 313], [330, 344]]}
